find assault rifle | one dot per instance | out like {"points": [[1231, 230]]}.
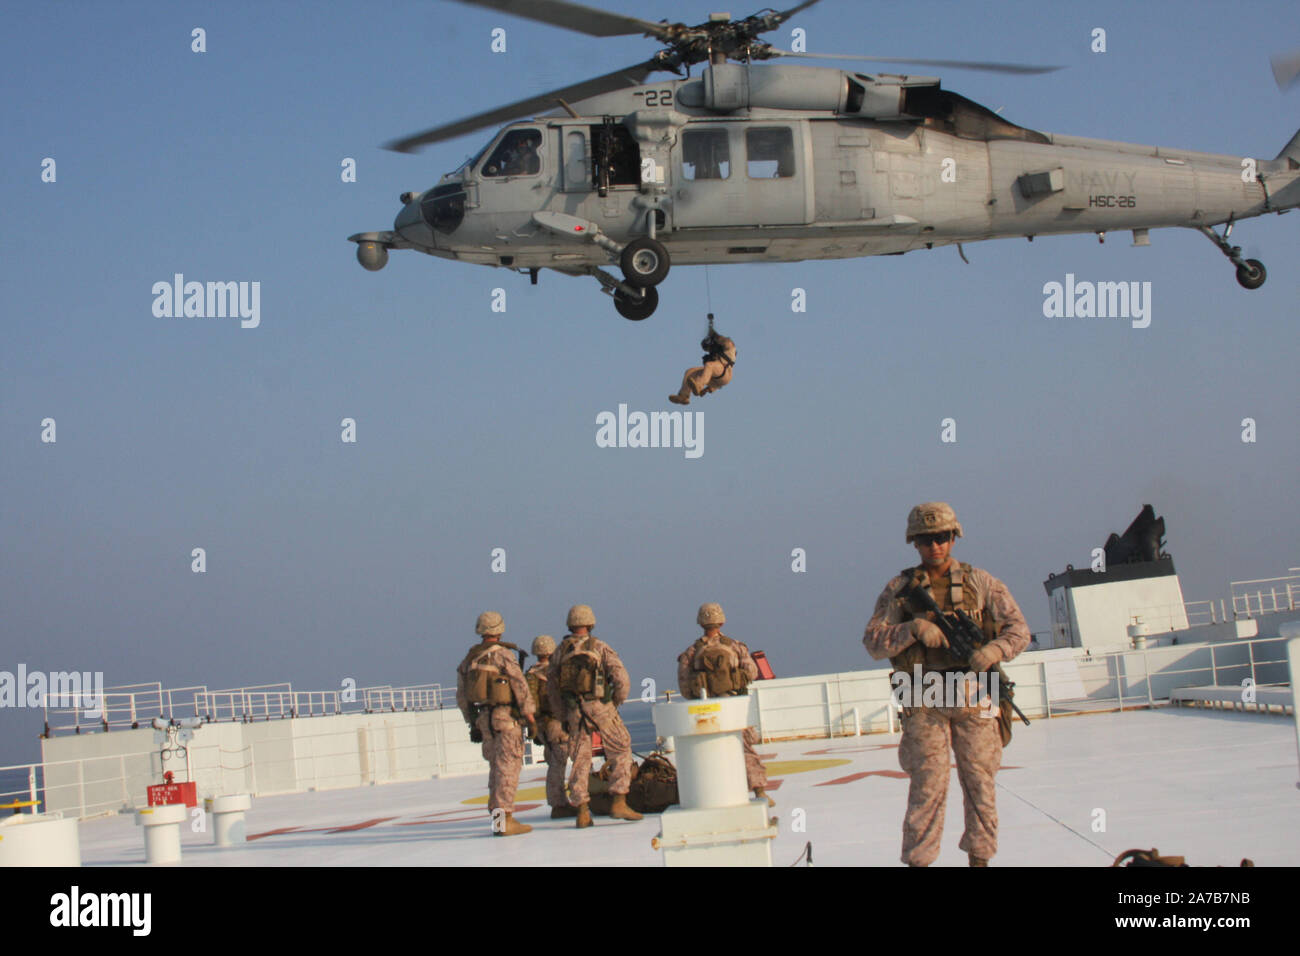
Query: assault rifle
{"points": [[964, 636]]}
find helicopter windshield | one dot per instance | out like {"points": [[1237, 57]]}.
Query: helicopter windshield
{"points": [[516, 155]]}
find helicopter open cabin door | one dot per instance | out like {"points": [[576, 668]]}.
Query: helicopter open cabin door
{"points": [[742, 174]]}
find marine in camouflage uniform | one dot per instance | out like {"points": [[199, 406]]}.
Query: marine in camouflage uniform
{"points": [[496, 726], [711, 618], [550, 729], [719, 360], [908, 637], [581, 717]]}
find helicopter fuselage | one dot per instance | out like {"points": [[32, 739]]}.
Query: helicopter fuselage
{"points": [[768, 184]]}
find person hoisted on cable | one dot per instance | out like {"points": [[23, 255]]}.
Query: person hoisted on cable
{"points": [[719, 359]]}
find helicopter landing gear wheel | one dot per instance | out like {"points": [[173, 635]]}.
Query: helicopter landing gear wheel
{"points": [[637, 309], [644, 262], [1252, 274]]}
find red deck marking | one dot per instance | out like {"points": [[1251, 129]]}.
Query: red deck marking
{"points": [[441, 813], [849, 750], [767, 756], [473, 814], [429, 823], [360, 826], [895, 774], [775, 784], [266, 833]]}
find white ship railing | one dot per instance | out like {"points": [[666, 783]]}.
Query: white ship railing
{"points": [[136, 705], [860, 702], [419, 697], [1265, 596], [273, 756], [277, 757], [1164, 617]]}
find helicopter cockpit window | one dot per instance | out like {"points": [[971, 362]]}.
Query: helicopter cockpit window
{"points": [[516, 155], [771, 152], [705, 154]]}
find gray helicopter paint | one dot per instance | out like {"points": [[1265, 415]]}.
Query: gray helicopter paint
{"points": [[861, 187]]}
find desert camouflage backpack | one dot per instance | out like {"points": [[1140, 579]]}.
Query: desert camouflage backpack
{"points": [[486, 684], [716, 669], [581, 675]]}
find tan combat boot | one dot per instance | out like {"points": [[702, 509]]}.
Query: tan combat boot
{"points": [[584, 816], [977, 860], [761, 794], [562, 813], [513, 827], [620, 810]]}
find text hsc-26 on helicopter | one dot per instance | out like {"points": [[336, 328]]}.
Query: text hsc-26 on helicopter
{"points": [[784, 162]]}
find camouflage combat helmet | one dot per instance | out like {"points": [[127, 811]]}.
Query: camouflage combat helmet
{"points": [[931, 517], [543, 645], [580, 615], [490, 624], [709, 615]]}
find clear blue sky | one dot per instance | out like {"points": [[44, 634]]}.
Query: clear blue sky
{"points": [[477, 429]]}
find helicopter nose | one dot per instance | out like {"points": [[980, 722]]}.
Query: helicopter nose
{"points": [[410, 224]]}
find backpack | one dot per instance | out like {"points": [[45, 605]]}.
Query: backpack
{"points": [[581, 675], [653, 788], [537, 687], [716, 669], [486, 684]]}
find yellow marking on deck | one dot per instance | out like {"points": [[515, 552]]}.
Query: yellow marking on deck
{"points": [[532, 793], [781, 768]]}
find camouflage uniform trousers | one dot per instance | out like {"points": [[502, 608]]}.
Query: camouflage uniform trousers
{"points": [[617, 741], [755, 775], [977, 744], [557, 756], [503, 749]]}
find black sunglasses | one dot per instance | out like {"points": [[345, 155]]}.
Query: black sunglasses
{"points": [[940, 537]]}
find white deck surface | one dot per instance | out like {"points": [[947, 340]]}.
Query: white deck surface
{"points": [[1211, 786]]}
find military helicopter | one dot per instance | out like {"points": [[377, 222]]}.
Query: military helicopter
{"points": [[786, 162]]}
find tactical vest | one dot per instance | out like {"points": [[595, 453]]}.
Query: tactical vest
{"points": [[537, 687], [486, 684], [960, 595], [716, 669], [581, 675]]}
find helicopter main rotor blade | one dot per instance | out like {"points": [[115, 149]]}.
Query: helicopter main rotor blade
{"points": [[575, 16], [785, 15], [1286, 68], [954, 64], [631, 76]]}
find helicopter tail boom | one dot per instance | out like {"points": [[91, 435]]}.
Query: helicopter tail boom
{"points": [[1291, 151]]}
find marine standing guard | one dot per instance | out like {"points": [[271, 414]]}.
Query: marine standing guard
{"points": [[722, 667], [587, 683], [493, 697], [550, 729], [902, 632]]}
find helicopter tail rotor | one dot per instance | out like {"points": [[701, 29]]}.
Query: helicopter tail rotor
{"points": [[1286, 69]]}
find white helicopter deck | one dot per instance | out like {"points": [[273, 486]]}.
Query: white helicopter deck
{"points": [[1073, 791]]}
